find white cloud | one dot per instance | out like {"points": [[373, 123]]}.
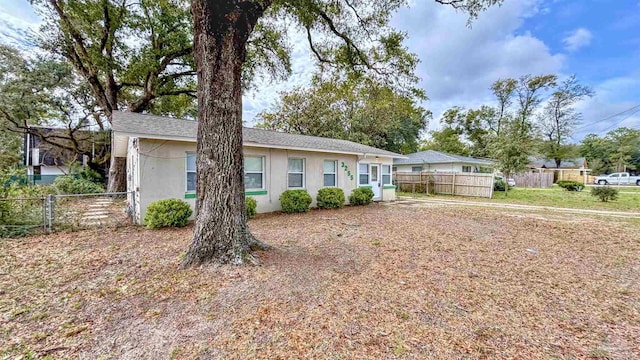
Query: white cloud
{"points": [[612, 96], [460, 63], [268, 92], [17, 20], [577, 39]]}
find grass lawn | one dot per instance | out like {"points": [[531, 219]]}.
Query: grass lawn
{"points": [[558, 197], [349, 284]]}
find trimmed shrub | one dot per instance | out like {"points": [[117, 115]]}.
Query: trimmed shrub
{"points": [[295, 201], [330, 198], [499, 185], [571, 185], [251, 204], [73, 185], [361, 196], [604, 193], [167, 213]]}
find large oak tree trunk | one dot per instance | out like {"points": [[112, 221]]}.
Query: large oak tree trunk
{"points": [[117, 179], [221, 29]]}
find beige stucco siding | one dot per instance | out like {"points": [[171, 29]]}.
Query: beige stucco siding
{"points": [[162, 173]]}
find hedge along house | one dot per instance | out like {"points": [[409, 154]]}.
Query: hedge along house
{"points": [[161, 162], [436, 161]]}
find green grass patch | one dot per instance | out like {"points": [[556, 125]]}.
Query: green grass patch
{"points": [[628, 199]]}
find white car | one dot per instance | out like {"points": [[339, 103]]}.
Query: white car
{"points": [[511, 182], [622, 178]]}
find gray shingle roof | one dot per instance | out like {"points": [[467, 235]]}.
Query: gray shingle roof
{"points": [[576, 163], [437, 157], [153, 126]]}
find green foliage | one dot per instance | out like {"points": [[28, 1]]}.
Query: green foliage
{"points": [[295, 201], [5, 211], [167, 213], [135, 55], [20, 217], [499, 185], [604, 193], [618, 150], [571, 185], [251, 205], [510, 150], [361, 110], [86, 173], [330, 198], [76, 185], [559, 118], [446, 140], [361, 196]]}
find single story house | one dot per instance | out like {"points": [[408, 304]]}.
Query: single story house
{"points": [[437, 161], [570, 169], [161, 162]]}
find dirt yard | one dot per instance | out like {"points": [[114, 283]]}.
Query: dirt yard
{"points": [[378, 282]]}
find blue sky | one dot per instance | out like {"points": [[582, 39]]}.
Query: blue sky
{"points": [[598, 40]]}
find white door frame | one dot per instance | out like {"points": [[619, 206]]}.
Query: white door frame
{"points": [[375, 180]]}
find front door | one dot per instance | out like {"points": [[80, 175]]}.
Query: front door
{"points": [[375, 182]]}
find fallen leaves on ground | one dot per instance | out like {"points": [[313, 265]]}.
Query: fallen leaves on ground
{"points": [[379, 282]]}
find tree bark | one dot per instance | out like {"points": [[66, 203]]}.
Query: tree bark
{"points": [[221, 30], [117, 174]]}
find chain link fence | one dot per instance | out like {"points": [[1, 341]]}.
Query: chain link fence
{"points": [[23, 216], [26, 216], [81, 211]]}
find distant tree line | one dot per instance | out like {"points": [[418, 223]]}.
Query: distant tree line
{"points": [[534, 116]]}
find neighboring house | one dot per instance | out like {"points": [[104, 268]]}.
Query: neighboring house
{"points": [[571, 169], [44, 161], [161, 162], [436, 161], [42, 167]]}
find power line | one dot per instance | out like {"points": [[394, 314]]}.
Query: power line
{"points": [[619, 122], [610, 117]]}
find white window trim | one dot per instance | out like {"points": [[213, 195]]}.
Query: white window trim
{"points": [[368, 173], [382, 174], [304, 168], [186, 173], [264, 185], [334, 173]]}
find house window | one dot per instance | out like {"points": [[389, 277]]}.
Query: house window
{"points": [[363, 178], [416, 168], [386, 174], [296, 173], [395, 169], [191, 172], [253, 172], [330, 176], [466, 168]]}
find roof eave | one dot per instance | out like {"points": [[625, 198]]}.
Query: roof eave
{"points": [[255, 144]]}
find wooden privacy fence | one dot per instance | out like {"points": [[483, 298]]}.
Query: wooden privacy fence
{"points": [[447, 183], [534, 180]]}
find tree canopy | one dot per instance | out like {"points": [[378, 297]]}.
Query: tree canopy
{"points": [[134, 55], [618, 150], [360, 109]]}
